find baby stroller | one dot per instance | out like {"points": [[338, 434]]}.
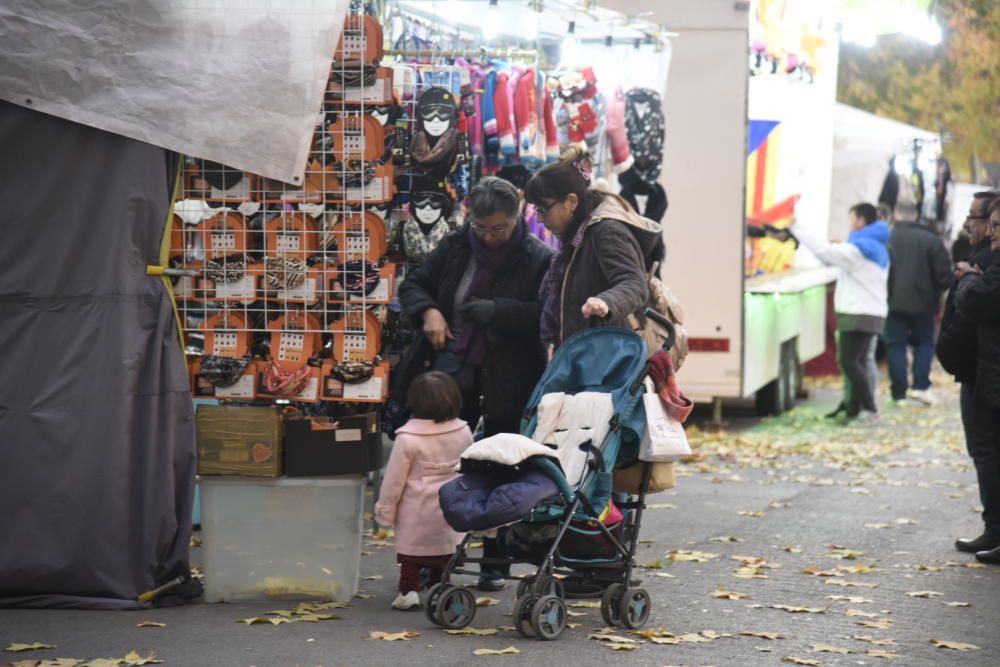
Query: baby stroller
{"points": [[600, 362]]}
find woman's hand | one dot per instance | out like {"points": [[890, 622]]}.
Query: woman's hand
{"points": [[436, 328], [963, 268], [595, 307]]}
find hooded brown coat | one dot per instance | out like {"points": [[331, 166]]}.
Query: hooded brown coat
{"points": [[610, 264]]}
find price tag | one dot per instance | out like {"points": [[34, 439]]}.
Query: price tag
{"points": [[242, 389], [244, 289], [370, 389]]}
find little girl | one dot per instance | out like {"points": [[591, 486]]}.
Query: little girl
{"points": [[423, 458]]}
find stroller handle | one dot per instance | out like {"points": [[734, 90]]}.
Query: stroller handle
{"points": [[666, 324]]}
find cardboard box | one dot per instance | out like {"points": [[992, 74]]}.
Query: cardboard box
{"points": [[355, 447], [239, 440]]}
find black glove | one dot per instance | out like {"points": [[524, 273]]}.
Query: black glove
{"points": [[480, 311]]}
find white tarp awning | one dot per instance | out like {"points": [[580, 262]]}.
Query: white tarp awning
{"points": [[239, 82]]}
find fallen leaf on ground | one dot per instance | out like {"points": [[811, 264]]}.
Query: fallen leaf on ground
{"points": [[722, 593], [877, 653], [845, 554], [58, 662], [472, 631], [661, 506], [798, 610], [957, 604], [817, 572], [881, 624], [878, 525], [800, 661], [955, 646], [382, 533], [486, 602], [790, 549], [585, 605], [611, 638], [37, 646], [762, 635], [392, 636], [134, 658], [619, 647], [649, 633], [574, 626], [379, 543], [856, 584], [373, 577], [856, 599], [681, 555], [655, 565], [150, 624], [570, 612], [363, 596], [749, 573], [875, 640], [756, 515], [924, 594], [103, 662], [858, 612], [510, 650], [726, 538], [829, 648]]}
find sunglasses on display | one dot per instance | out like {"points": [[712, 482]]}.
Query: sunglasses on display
{"points": [[438, 113]]}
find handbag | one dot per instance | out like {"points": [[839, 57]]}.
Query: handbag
{"points": [[664, 439]]}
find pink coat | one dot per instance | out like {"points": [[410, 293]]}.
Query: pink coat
{"points": [[423, 458]]}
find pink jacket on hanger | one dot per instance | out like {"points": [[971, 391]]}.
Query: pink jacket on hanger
{"points": [[505, 115], [526, 112], [423, 458]]}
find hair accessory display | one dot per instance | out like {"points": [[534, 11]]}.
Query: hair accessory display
{"points": [[355, 372], [228, 269], [286, 383], [359, 277], [223, 371], [353, 74], [284, 273], [355, 173]]}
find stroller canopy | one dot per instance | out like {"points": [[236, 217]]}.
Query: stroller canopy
{"points": [[604, 359]]}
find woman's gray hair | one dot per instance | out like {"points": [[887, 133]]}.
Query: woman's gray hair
{"points": [[492, 195]]}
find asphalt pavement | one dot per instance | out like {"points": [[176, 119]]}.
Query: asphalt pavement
{"points": [[787, 541]]}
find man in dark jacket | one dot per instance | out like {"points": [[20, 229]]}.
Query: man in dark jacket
{"points": [[919, 273], [977, 300], [475, 303]]}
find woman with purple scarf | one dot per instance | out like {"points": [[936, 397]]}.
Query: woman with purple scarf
{"points": [[474, 302]]}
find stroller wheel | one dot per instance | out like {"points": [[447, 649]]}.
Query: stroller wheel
{"points": [[456, 607], [611, 603], [634, 608], [431, 599], [550, 586], [522, 615], [548, 617]]}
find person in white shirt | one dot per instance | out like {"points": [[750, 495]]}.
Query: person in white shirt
{"points": [[860, 300]]}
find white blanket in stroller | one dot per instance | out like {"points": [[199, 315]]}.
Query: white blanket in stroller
{"points": [[564, 422], [567, 421]]}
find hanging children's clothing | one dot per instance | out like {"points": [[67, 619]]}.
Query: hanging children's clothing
{"points": [[645, 129]]}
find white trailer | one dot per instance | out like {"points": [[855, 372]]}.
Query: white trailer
{"points": [[749, 337]]}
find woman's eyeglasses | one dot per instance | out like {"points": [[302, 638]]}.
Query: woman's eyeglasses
{"points": [[992, 226]]}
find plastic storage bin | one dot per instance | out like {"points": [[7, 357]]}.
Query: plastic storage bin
{"points": [[281, 539]]}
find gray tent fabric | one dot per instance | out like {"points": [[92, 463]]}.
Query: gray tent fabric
{"points": [[97, 440]]}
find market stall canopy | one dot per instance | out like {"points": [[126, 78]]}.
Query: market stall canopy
{"points": [[235, 82], [863, 143]]}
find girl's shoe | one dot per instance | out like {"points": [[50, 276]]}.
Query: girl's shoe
{"points": [[407, 602]]}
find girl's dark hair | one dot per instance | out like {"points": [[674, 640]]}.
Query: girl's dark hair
{"points": [[434, 395], [559, 180]]}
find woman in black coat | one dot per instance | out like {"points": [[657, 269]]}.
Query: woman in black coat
{"points": [[475, 303]]}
